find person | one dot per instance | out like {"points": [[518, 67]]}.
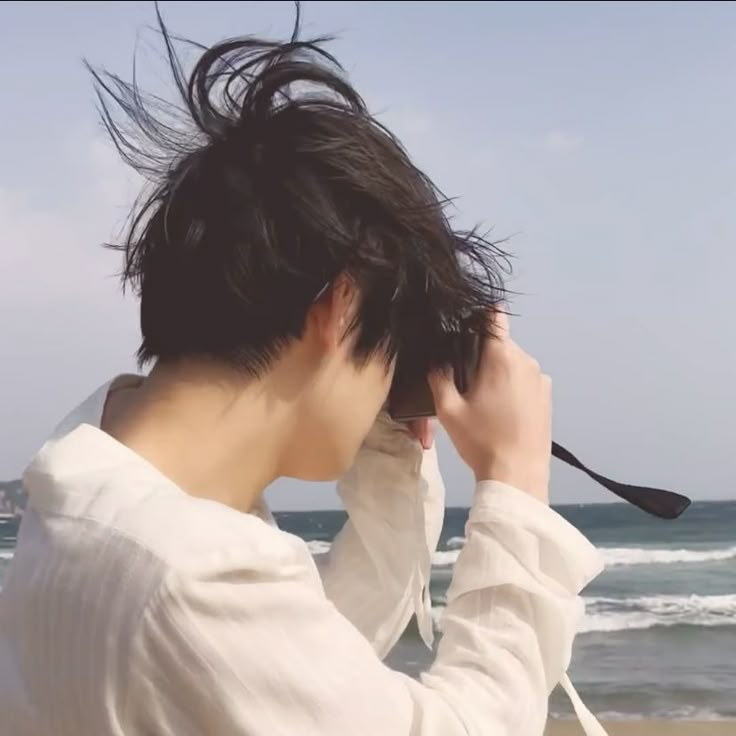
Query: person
{"points": [[291, 262]]}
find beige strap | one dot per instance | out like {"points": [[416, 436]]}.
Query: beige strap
{"points": [[588, 721]]}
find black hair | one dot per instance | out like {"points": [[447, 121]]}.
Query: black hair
{"points": [[267, 181]]}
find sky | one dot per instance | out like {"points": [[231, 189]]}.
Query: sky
{"points": [[599, 136]]}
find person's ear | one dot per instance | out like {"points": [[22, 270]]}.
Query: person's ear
{"points": [[333, 311]]}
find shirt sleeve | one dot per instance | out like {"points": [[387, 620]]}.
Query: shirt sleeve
{"points": [[231, 651], [378, 569]]}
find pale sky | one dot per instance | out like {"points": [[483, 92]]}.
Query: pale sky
{"points": [[601, 136]]}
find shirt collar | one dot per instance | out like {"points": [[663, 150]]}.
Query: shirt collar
{"points": [[79, 448], [69, 468]]}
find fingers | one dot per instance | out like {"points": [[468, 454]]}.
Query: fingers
{"points": [[418, 428], [424, 430], [427, 438], [444, 391]]}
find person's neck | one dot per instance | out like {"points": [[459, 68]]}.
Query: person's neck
{"points": [[201, 426]]}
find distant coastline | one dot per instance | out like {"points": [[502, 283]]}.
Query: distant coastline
{"points": [[13, 501]]}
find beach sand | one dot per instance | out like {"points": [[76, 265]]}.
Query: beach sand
{"points": [[648, 728]]}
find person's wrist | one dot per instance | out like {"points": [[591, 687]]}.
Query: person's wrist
{"points": [[530, 476]]}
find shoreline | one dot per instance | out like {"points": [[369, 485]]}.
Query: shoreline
{"points": [[645, 727]]}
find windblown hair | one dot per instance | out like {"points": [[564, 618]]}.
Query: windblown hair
{"points": [[267, 181]]}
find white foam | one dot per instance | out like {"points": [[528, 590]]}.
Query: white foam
{"points": [[666, 610], [445, 558], [615, 556], [647, 612], [623, 556], [319, 547], [684, 713], [6, 554], [690, 713]]}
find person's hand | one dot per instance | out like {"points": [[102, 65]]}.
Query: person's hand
{"points": [[501, 427], [424, 430], [399, 438]]}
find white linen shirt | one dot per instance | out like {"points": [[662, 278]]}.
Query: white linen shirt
{"points": [[131, 608]]}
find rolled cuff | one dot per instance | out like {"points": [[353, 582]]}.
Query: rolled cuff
{"points": [[499, 504]]}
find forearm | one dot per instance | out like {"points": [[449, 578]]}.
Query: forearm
{"points": [[513, 610], [379, 565]]}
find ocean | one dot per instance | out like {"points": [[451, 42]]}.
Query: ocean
{"points": [[659, 637]]}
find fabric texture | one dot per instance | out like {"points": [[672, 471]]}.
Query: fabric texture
{"points": [[133, 608]]}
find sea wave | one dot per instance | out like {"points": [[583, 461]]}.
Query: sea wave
{"points": [[6, 554], [683, 713], [445, 558], [625, 556], [646, 612], [319, 546], [615, 556]]}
